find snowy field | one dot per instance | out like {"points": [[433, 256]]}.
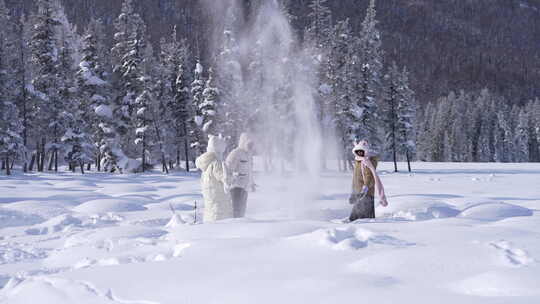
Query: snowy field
{"points": [[453, 233]]}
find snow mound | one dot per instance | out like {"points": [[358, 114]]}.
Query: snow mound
{"points": [[108, 205], [349, 238], [57, 224], [419, 210], [129, 188], [44, 209], [499, 284], [74, 184], [494, 211], [14, 218]]}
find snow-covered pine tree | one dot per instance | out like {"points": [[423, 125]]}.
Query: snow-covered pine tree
{"points": [[533, 111], [340, 76], [320, 23], [175, 97], [399, 115], [368, 68], [486, 152], [230, 84], [45, 77], [503, 134], [146, 108], [208, 107], [94, 93], [423, 127], [143, 122], [11, 142], [521, 136], [406, 118], [183, 112], [21, 77], [197, 89], [127, 54], [390, 111], [72, 130], [317, 40], [459, 130]]}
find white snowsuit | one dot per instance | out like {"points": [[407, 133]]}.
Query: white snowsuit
{"points": [[240, 165], [217, 203]]}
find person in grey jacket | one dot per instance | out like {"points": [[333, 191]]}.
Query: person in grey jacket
{"points": [[239, 167]]}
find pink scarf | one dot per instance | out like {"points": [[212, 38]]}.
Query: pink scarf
{"points": [[379, 188]]}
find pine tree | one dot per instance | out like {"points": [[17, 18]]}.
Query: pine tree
{"points": [[368, 68], [175, 97], [128, 53], [503, 135], [230, 84], [320, 23], [197, 89], [45, 80], [533, 111], [209, 105], [70, 127], [21, 78], [11, 142], [183, 112], [406, 114], [521, 137], [94, 93], [390, 110], [340, 76]]}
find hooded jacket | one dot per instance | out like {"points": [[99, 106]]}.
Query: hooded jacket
{"points": [[217, 203], [367, 177], [363, 179], [240, 165]]}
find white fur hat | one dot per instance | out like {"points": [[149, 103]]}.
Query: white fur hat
{"points": [[361, 145]]}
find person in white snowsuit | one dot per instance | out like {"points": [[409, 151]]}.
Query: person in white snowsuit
{"points": [[239, 166], [217, 203]]}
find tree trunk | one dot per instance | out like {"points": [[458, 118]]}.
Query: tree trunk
{"points": [[89, 166], [55, 160], [25, 164], [42, 161], [82, 167], [51, 161], [164, 162], [186, 146], [408, 160], [12, 163], [178, 155], [98, 162], [6, 162], [395, 161], [31, 165], [144, 154]]}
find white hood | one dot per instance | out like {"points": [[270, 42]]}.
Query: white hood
{"points": [[245, 140]]}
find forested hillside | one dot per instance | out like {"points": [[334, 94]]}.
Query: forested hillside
{"points": [[446, 44], [130, 85]]}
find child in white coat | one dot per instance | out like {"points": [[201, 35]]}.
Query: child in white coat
{"points": [[240, 174], [217, 203]]}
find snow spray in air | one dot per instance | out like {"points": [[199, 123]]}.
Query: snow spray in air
{"points": [[271, 81]]}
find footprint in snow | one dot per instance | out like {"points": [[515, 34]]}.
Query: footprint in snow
{"points": [[513, 256]]}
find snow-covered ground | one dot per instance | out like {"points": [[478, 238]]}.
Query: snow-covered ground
{"points": [[453, 233]]}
